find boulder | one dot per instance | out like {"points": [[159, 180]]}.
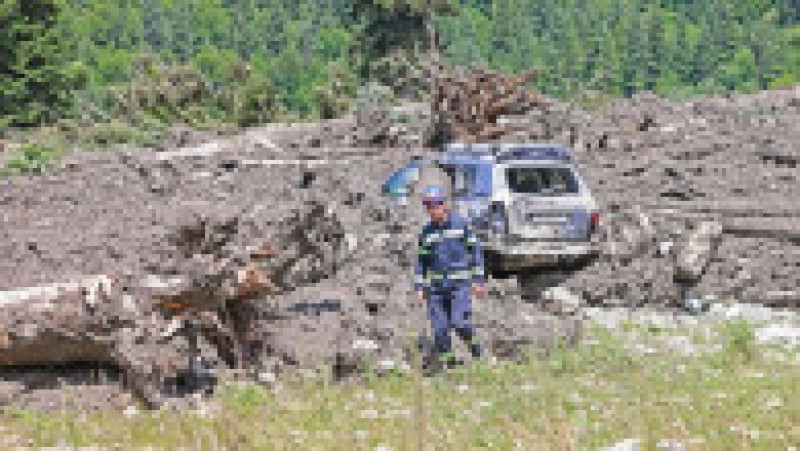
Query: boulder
{"points": [[561, 301], [694, 252]]}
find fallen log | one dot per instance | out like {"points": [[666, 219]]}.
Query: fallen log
{"points": [[137, 324], [47, 323], [780, 228]]}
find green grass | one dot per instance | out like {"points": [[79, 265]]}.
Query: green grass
{"points": [[31, 158], [588, 397]]}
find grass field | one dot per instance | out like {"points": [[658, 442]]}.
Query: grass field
{"points": [[733, 395]]}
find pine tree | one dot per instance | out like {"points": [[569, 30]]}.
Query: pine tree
{"points": [[37, 78]]}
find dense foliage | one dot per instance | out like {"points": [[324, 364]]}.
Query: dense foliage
{"points": [[36, 75], [622, 46], [617, 47]]}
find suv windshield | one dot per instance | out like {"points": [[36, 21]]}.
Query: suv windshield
{"points": [[546, 181]]}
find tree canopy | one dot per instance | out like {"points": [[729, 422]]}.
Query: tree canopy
{"points": [[619, 47]]}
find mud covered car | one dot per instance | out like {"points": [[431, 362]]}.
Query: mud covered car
{"points": [[527, 202]]}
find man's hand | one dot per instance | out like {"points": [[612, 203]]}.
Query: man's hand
{"points": [[421, 297], [479, 290]]}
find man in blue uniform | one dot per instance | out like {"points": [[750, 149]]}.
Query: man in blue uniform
{"points": [[449, 267]]}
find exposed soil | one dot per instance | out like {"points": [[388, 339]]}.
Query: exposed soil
{"points": [[730, 160]]}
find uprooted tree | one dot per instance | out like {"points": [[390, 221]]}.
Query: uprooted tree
{"points": [[154, 328], [467, 105]]}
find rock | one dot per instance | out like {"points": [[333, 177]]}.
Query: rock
{"points": [[670, 445], [695, 305], [626, 235], [512, 336], [665, 248], [266, 377], [561, 301], [631, 444], [695, 251], [9, 390]]}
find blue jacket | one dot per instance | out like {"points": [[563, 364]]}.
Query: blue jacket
{"points": [[448, 252]]}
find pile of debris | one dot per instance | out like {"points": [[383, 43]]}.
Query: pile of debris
{"points": [[691, 190], [208, 299], [463, 105], [468, 106], [274, 251], [237, 255], [698, 197]]}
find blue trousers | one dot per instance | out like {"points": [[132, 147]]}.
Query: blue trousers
{"points": [[450, 307]]}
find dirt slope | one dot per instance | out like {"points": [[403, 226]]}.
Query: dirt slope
{"points": [[729, 160]]}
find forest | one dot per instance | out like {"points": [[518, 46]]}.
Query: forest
{"points": [[59, 56]]}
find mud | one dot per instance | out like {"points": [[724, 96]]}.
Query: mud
{"points": [[674, 163]]}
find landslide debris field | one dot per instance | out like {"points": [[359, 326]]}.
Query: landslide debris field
{"points": [[280, 253]]}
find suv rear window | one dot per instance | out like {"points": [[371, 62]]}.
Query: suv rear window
{"points": [[544, 181]]}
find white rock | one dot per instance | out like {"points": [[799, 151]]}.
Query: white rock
{"points": [[364, 345], [693, 305], [694, 253], [266, 376], [631, 444], [130, 411], [777, 333], [561, 300], [670, 445]]}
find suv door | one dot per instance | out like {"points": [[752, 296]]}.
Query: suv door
{"points": [[471, 187]]}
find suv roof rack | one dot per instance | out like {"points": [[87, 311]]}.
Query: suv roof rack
{"points": [[507, 151], [550, 152]]}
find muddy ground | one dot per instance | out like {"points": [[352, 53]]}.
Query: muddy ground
{"points": [[729, 160]]}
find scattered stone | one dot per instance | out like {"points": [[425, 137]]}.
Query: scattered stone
{"points": [[562, 301], [631, 444], [9, 390], [695, 252], [78, 220], [670, 445]]}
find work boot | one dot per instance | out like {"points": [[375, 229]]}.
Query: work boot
{"points": [[453, 363], [432, 366], [476, 350]]}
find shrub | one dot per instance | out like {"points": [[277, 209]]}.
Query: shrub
{"points": [[252, 101], [335, 97], [32, 157]]}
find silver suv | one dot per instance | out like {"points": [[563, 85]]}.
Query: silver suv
{"points": [[526, 201]]}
